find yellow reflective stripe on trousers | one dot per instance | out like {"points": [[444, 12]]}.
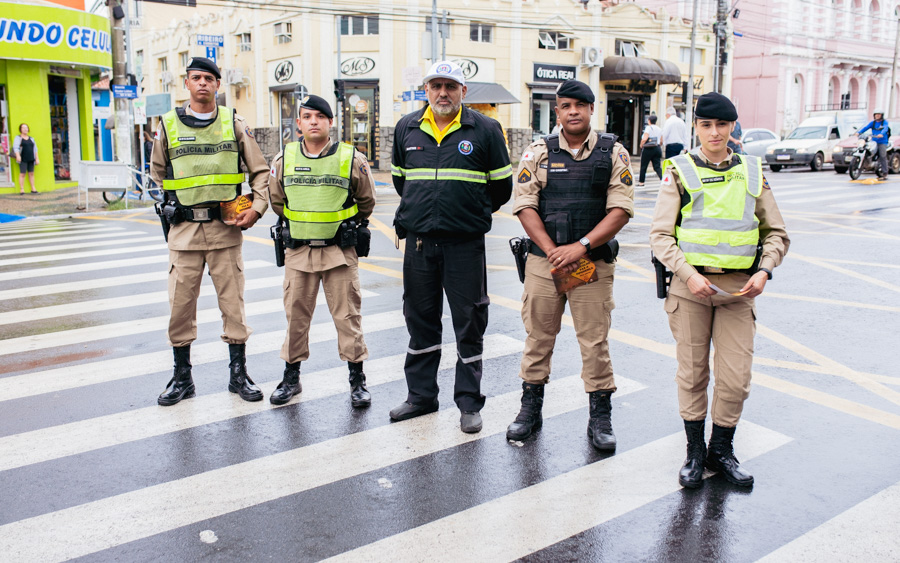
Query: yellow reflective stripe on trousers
{"points": [[206, 180], [321, 217], [500, 173]]}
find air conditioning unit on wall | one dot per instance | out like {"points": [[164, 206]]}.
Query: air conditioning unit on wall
{"points": [[591, 56], [234, 76]]}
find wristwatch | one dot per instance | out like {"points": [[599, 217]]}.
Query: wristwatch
{"points": [[586, 243], [767, 271]]}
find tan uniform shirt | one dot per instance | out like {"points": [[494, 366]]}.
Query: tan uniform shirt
{"points": [[319, 259], [531, 176], [214, 234], [668, 205]]}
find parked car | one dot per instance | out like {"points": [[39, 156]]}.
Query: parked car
{"points": [[756, 141], [812, 143], [843, 151]]}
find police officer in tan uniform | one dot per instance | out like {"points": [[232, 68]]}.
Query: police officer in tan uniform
{"points": [[312, 173], [573, 194], [196, 159], [715, 196]]}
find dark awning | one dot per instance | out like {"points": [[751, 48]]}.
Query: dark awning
{"points": [[488, 93], [640, 68]]}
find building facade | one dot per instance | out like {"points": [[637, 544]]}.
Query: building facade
{"points": [[514, 52], [48, 55]]}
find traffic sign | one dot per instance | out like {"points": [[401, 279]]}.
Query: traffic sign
{"points": [[211, 53], [210, 40], [124, 91], [158, 104], [418, 95]]}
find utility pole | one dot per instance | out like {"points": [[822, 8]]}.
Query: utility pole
{"points": [[721, 44], [689, 103], [434, 32], [339, 102], [124, 133], [445, 29], [894, 71]]}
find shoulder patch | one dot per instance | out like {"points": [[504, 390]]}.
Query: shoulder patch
{"points": [[273, 172], [623, 156], [363, 169], [626, 177], [524, 176], [667, 181], [248, 132], [528, 155], [766, 184]]}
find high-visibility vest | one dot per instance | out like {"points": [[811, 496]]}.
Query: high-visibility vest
{"points": [[719, 227], [205, 161], [317, 191]]}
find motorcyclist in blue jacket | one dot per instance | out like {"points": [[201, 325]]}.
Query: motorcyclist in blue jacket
{"points": [[881, 136]]}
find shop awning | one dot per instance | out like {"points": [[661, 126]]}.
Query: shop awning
{"points": [[640, 68], [488, 93]]}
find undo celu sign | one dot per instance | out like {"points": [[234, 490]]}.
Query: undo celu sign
{"points": [[57, 35]]}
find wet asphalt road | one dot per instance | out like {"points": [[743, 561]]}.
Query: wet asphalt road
{"points": [[92, 468]]}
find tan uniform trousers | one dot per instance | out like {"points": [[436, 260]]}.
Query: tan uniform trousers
{"points": [[729, 323], [226, 268], [591, 306], [342, 293]]}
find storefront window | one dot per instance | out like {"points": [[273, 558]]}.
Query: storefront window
{"points": [[5, 142], [361, 119], [59, 124], [543, 114]]}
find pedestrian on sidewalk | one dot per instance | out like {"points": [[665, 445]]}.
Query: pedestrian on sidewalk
{"points": [[650, 151], [675, 134], [713, 213], [26, 153]]}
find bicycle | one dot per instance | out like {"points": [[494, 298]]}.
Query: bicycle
{"points": [[143, 184]]}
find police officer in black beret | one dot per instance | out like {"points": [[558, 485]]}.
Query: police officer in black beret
{"points": [[573, 194], [713, 210]]}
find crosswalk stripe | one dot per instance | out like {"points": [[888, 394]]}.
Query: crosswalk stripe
{"points": [[788, 191], [37, 238], [97, 283], [138, 514], [125, 328], [86, 267], [132, 237], [31, 224], [868, 531], [74, 438], [133, 300], [812, 199], [867, 203], [70, 377], [78, 255], [502, 530], [49, 229]]}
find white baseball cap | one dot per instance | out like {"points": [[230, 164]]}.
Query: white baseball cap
{"points": [[446, 69]]}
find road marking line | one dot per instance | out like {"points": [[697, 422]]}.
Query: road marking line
{"points": [[87, 435], [502, 529], [86, 267], [848, 227], [867, 203], [865, 531], [823, 198], [788, 192], [112, 521], [390, 233], [129, 218], [132, 237], [86, 254], [826, 301], [96, 283], [43, 236], [860, 263], [853, 215], [44, 226], [846, 272], [114, 369], [834, 232], [134, 300]]}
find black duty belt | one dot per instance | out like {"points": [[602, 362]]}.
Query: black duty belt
{"points": [[601, 253], [202, 214], [294, 243], [720, 271]]}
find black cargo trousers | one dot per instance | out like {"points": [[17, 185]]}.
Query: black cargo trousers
{"points": [[431, 268]]}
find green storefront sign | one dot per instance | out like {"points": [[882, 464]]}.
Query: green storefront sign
{"points": [[58, 35]]}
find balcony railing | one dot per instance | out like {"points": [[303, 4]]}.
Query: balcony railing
{"points": [[838, 106]]}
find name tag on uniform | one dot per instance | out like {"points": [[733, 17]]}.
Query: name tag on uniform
{"points": [[187, 138], [302, 169]]}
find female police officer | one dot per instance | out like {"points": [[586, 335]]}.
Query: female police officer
{"points": [[714, 208]]}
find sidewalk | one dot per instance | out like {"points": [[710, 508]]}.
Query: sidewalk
{"points": [[59, 202]]}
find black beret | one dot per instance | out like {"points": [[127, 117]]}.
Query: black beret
{"points": [[715, 106], [575, 89], [318, 104], [204, 64]]}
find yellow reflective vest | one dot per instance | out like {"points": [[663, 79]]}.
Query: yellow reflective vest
{"points": [[205, 161], [317, 191], [719, 227]]}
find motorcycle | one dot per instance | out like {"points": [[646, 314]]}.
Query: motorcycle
{"points": [[865, 158]]}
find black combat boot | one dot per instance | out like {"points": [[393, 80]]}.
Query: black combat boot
{"points": [[181, 386], [359, 395], [529, 418], [240, 382], [289, 386], [721, 457], [691, 474], [600, 425]]}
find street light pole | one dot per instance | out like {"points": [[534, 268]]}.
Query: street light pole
{"points": [[689, 103], [894, 69]]}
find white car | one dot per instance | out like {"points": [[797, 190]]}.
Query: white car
{"points": [[756, 141]]}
